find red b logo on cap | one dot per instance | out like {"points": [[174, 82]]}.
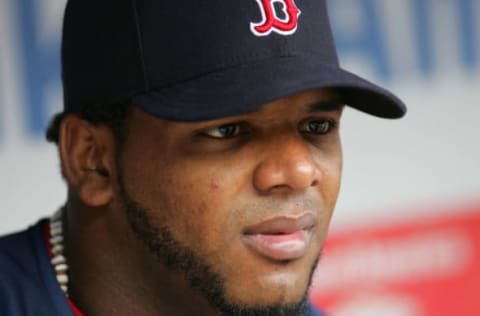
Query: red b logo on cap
{"points": [[271, 22]]}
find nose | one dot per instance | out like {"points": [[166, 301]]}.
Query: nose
{"points": [[287, 164]]}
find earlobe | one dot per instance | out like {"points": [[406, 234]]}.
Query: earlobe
{"points": [[84, 153]]}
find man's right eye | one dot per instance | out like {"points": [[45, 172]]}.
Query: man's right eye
{"points": [[223, 131]]}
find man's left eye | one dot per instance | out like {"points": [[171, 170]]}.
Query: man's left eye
{"points": [[318, 126], [223, 131]]}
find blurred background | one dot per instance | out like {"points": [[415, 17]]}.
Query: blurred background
{"points": [[405, 238]]}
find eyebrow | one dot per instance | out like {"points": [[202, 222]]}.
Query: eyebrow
{"points": [[326, 106]]}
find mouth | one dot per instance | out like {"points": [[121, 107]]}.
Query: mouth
{"points": [[281, 238]]}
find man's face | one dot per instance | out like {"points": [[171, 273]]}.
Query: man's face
{"points": [[247, 198]]}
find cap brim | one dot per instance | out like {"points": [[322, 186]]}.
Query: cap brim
{"points": [[242, 89]]}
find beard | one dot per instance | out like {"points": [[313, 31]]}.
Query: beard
{"points": [[201, 277]]}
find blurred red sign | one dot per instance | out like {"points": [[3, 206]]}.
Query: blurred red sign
{"points": [[426, 267]]}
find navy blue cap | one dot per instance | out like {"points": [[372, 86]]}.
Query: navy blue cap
{"points": [[200, 60]]}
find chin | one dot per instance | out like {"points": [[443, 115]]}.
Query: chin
{"points": [[267, 283], [283, 303], [282, 287]]}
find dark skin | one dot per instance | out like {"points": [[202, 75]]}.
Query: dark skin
{"points": [[206, 182]]}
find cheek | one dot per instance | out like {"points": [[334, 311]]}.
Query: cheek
{"points": [[214, 186], [211, 199], [193, 200], [331, 179]]}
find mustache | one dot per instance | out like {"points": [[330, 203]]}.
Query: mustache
{"points": [[279, 206]]}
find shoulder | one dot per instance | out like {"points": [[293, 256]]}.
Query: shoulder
{"points": [[22, 287], [17, 257], [19, 254]]}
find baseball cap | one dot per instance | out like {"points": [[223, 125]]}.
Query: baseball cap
{"points": [[198, 60]]}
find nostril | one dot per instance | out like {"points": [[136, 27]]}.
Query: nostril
{"points": [[279, 188]]}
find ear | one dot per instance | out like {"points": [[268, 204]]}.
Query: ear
{"points": [[87, 158]]}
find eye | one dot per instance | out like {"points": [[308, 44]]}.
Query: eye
{"points": [[223, 131], [317, 126]]}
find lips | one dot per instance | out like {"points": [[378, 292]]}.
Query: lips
{"points": [[281, 238]]}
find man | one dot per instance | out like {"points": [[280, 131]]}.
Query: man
{"points": [[200, 145]]}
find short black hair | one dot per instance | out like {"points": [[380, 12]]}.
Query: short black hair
{"points": [[113, 116]]}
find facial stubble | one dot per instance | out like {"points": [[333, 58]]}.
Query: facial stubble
{"points": [[201, 277]]}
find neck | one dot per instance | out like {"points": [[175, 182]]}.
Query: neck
{"points": [[112, 273]]}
